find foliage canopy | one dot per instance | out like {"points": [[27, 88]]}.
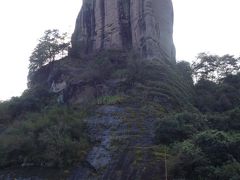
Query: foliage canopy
{"points": [[214, 67], [52, 45]]}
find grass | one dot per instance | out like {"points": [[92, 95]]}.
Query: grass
{"points": [[110, 100]]}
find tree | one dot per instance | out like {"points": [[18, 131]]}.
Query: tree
{"points": [[179, 127], [214, 67], [52, 45], [210, 154]]}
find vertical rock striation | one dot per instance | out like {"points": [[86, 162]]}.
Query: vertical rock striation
{"points": [[146, 26]]}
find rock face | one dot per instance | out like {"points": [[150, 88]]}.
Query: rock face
{"points": [[124, 148], [145, 26]]}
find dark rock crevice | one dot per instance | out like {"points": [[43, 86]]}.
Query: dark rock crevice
{"points": [[125, 23], [102, 9]]}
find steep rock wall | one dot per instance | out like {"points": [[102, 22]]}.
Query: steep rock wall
{"points": [[145, 26]]}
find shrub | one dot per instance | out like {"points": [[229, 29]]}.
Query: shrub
{"points": [[208, 155], [226, 121], [5, 116], [189, 161], [179, 127], [56, 137], [234, 119], [217, 97], [228, 171], [110, 100], [218, 121], [32, 100], [215, 144]]}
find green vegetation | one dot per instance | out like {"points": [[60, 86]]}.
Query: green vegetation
{"points": [[203, 141], [179, 127], [218, 97], [52, 46], [55, 137], [110, 100], [197, 123], [32, 100], [159, 82], [202, 146], [210, 154], [214, 67]]}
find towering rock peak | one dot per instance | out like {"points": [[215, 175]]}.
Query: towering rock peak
{"points": [[145, 26]]}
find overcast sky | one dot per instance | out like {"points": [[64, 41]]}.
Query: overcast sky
{"points": [[200, 26]]}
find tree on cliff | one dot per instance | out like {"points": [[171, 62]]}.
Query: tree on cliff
{"points": [[52, 45]]}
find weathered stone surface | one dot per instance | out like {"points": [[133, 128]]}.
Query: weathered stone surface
{"points": [[146, 26], [123, 147]]}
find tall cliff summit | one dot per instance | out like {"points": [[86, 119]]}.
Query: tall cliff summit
{"points": [[144, 26]]}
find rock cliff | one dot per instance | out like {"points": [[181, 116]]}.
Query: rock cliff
{"points": [[145, 26]]}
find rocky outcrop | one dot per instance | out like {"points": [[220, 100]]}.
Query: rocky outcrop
{"points": [[124, 148], [145, 26]]}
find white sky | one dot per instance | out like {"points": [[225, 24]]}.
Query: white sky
{"points": [[200, 26]]}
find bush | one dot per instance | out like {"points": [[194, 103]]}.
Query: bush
{"points": [[208, 155], [110, 100], [213, 97], [234, 119], [215, 144], [32, 100], [5, 117], [189, 162], [56, 137], [179, 127], [226, 121], [229, 171], [218, 121]]}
